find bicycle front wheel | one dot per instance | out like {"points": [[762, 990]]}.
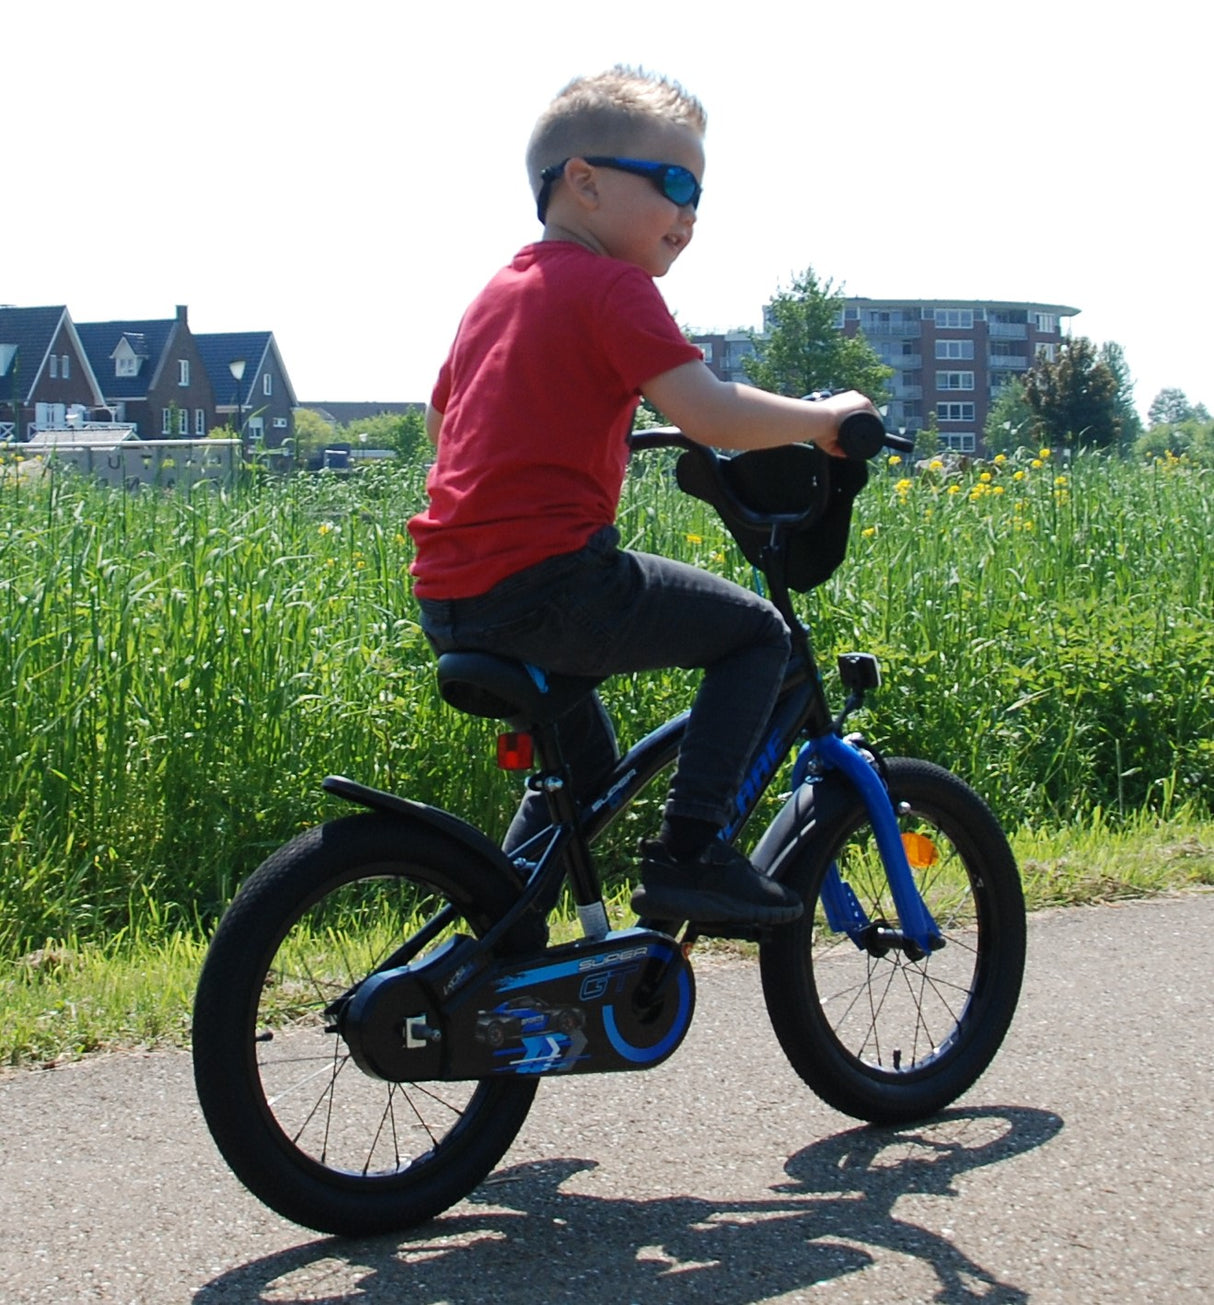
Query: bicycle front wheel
{"points": [[303, 1128], [876, 1032]]}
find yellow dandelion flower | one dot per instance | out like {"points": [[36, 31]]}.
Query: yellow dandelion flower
{"points": [[985, 478], [869, 531], [894, 460], [1044, 453], [695, 539], [1018, 475], [1059, 480], [998, 489], [954, 489], [935, 465], [1036, 464], [1000, 459], [903, 486]]}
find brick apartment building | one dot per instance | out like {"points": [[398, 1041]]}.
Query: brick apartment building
{"points": [[950, 357]]}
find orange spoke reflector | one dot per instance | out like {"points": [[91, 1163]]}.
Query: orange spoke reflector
{"points": [[514, 751], [920, 852]]}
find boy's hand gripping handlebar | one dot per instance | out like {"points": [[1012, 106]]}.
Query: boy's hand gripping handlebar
{"points": [[862, 435]]}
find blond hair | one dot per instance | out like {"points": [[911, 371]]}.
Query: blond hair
{"points": [[605, 114]]}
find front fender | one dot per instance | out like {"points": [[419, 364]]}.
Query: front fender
{"points": [[810, 806]]}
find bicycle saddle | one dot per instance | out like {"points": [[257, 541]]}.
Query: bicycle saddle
{"points": [[484, 684]]}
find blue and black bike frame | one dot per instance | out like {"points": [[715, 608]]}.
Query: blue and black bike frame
{"points": [[801, 712]]}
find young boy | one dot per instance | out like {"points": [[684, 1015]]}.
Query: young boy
{"points": [[517, 552]]}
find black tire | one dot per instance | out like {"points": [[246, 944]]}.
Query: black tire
{"points": [[307, 1132], [886, 1038]]}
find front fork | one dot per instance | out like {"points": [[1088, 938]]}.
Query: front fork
{"points": [[918, 933]]}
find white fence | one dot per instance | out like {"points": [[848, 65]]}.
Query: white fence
{"points": [[135, 463]]}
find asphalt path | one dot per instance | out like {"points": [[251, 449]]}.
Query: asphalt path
{"points": [[1076, 1170]]}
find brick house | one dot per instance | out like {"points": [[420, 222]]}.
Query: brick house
{"points": [[153, 375], [45, 374], [261, 405]]}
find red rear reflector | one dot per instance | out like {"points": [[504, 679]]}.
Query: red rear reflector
{"points": [[514, 751]]}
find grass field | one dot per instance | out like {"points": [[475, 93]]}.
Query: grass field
{"points": [[178, 673]]}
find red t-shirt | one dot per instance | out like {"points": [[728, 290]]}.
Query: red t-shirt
{"points": [[538, 395]]}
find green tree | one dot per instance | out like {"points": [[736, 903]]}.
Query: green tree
{"points": [[1010, 422], [1171, 406], [404, 432], [312, 433], [1113, 357], [1192, 439], [804, 350], [1074, 398], [927, 440]]}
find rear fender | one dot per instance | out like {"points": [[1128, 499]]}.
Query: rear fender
{"points": [[433, 819]]}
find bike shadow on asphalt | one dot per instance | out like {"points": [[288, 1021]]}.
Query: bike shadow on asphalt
{"points": [[535, 1239]]}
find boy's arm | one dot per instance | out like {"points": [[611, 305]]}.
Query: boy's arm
{"points": [[727, 415], [434, 424]]}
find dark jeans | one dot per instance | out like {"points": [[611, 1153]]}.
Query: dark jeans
{"points": [[603, 611]]}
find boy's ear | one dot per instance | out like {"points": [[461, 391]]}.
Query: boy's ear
{"points": [[579, 178]]}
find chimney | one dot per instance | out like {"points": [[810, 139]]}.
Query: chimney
{"points": [[182, 312]]}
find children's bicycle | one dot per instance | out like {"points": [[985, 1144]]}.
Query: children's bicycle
{"points": [[380, 1002]]}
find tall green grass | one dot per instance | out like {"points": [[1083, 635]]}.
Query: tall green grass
{"points": [[178, 672]]}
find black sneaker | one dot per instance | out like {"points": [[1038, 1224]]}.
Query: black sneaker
{"points": [[716, 886]]}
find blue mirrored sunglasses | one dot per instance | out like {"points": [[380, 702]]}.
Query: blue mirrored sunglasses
{"points": [[677, 184]]}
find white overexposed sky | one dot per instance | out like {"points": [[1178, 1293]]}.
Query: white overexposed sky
{"points": [[349, 175]]}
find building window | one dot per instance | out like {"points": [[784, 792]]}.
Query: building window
{"points": [[183, 421], [183, 371], [960, 441], [954, 380], [955, 319], [1047, 322], [54, 366], [267, 384], [954, 349], [124, 365], [954, 412], [65, 366], [166, 421], [200, 422], [1048, 351]]}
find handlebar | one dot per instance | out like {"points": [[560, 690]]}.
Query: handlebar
{"points": [[861, 436]]}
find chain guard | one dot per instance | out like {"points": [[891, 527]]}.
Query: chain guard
{"points": [[623, 1002]]}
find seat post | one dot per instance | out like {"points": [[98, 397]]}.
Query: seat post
{"points": [[555, 782]]}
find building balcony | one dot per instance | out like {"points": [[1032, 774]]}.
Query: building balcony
{"points": [[896, 330], [1008, 362], [1008, 330]]}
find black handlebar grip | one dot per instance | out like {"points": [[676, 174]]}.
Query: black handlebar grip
{"points": [[861, 435]]}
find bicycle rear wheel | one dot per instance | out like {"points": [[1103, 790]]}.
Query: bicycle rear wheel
{"points": [[307, 1132], [876, 1033]]}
